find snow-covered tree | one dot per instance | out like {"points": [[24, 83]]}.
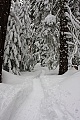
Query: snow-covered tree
{"points": [[18, 37], [45, 25], [50, 33], [73, 34], [25, 34], [37, 25], [12, 53], [4, 13]]}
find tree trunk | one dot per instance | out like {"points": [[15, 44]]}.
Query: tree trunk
{"points": [[4, 13], [63, 62]]}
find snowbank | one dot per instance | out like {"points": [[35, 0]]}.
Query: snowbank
{"points": [[60, 100], [13, 95], [9, 78], [62, 97]]}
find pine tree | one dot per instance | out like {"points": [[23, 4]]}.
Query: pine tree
{"points": [[25, 34], [76, 13], [44, 25], [18, 32], [12, 53], [4, 13], [74, 33]]}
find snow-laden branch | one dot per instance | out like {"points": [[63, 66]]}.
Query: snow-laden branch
{"points": [[12, 13], [75, 49], [74, 21], [15, 17], [50, 19], [70, 43], [56, 2], [74, 31], [76, 38]]}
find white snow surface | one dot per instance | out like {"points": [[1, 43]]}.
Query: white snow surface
{"points": [[50, 19], [40, 95]]}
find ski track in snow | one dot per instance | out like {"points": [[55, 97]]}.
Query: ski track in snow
{"points": [[38, 106], [30, 109]]}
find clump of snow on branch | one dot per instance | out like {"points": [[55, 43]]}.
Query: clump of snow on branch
{"points": [[73, 26], [50, 19]]}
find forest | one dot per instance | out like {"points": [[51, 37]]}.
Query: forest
{"points": [[39, 59], [40, 31]]}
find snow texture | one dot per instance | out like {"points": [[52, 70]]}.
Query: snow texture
{"points": [[50, 19], [44, 95]]}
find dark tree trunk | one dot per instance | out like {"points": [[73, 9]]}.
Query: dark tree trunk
{"points": [[4, 13], [63, 62]]}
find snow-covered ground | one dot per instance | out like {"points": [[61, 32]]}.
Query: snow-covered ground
{"points": [[40, 95], [62, 96]]}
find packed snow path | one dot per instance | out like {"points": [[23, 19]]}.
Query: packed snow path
{"points": [[59, 101], [30, 108]]}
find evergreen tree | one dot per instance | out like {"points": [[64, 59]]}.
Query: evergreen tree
{"points": [[72, 34], [76, 13], [18, 30], [45, 26], [4, 13], [25, 34], [50, 33], [12, 54]]}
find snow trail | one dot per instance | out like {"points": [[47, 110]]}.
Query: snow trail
{"points": [[30, 109]]}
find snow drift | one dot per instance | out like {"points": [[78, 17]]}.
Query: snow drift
{"points": [[62, 97], [57, 99], [13, 95]]}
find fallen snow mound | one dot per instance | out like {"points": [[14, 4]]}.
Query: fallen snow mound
{"points": [[9, 78], [13, 95], [62, 101]]}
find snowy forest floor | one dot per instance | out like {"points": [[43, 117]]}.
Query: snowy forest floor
{"points": [[40, 95]]}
